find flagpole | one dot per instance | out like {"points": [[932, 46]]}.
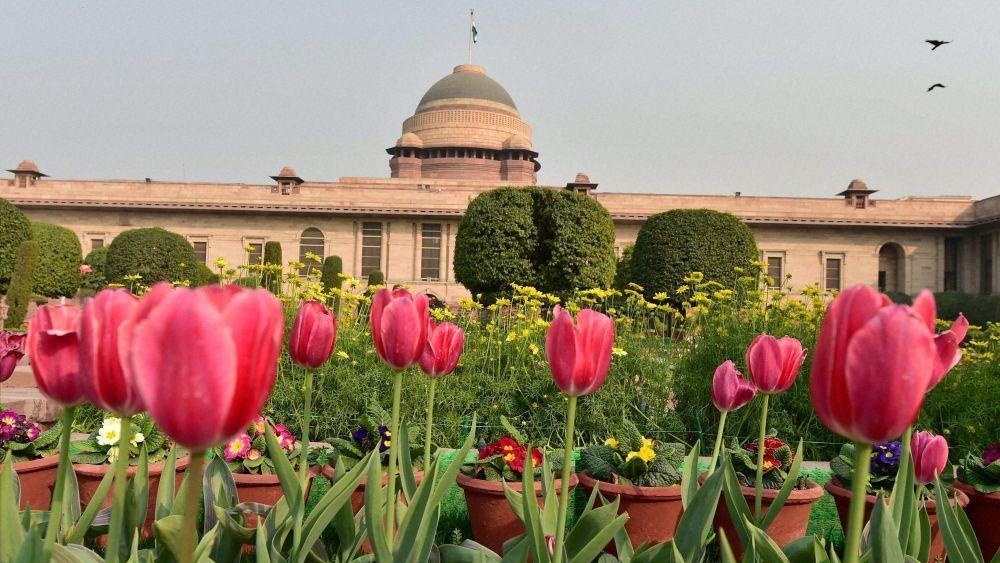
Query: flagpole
{"points": [[470, 35]]}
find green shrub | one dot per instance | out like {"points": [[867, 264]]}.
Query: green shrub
{"points": [[623, 271], [900, 298], [204, 276], [59, 259], [272, 252], [14, 229], [154, 254], [979, 309], [376, 277], [553, 240], [19, 292], [97, 278], [673, 244], [333, 266]]}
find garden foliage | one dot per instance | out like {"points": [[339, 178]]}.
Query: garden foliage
{"points": [[19, 292], [97, 260], [59, 259], [14, 229], [629, 458], [153, 254]]}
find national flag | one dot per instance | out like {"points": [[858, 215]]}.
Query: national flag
{"points": [[475, 32]]}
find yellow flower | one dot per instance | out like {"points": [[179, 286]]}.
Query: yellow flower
{"points": [[342, 354], [645, 453], [647, 443], [611, 442], [533, 348], [619, 351]]}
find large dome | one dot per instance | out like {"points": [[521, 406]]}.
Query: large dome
{"points": [[468, 82]]}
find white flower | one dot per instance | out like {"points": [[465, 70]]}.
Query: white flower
{"points": [[110, 432], [137, 438], [113, 454]]}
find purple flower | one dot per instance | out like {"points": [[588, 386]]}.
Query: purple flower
{"points": [[33, 431], [237, 448], [885, 457], [991, 454], [386, 439], [360, 435]]}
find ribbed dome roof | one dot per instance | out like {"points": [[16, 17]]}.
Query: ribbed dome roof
{"points": [[468, 81]]}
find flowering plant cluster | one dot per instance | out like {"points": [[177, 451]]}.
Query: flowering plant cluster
{"points": [[247, 452], [885, 458], [102, 446], [633, 459], [504, 460], [983, 473], [25, 440], [372, 434], [777, 460]]}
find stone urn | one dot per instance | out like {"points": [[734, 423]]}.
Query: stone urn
{"points": [[653, 511]]}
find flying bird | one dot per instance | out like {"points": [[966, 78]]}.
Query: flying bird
{"points": [[938, 85], [936, 43]]}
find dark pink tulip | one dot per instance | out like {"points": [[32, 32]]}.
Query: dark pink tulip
{"points": [[107, 380], [443, 349], [54, 349], [730, 390], [774, 362], [399, 326], [871, 366], [205, 359], [11, 352], [947, 343], [313, 335], [930, 456], [579, 355]]}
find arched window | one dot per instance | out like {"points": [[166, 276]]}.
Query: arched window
{"points": [[312, 242]]}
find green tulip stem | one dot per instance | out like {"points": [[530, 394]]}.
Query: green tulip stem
{"points": [[307, 392], [192, 495], [758, 485], [390, 510], [564, 485], [859, 492], [120, 468], [718, 442], [55, 511], [905, 454], [430, 423]]}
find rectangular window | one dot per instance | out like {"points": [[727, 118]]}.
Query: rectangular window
{"points": [[371, 247], [22, 181], [776, 271], [986, 264], [201, 250], [430, 252], [96, 243], [255, 252], [952, 257], [833, 269]]}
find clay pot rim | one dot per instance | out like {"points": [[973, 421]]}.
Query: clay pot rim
{"points": [[797, 496], [37, 464], [972, 493], [496, 487], [327, 470], [836, 488], [94, 470], [267, 479], [673, 492]]}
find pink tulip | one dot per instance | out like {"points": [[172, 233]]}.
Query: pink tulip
{"points": [[54, 349], [443, 349], [313, 335], [107, 379], [11, 352], [730, 390], [579, 356], [774, 362], [947, 343], [872, 364], [205, 359], [399, 326], [930, 456]]}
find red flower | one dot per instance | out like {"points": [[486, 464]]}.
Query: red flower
{"points": [[104, 326], [313, 335], [579, 354], [443, 348]]}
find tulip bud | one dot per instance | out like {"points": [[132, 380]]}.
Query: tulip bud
{"points": [[730, 390], [205, 359], [11, 352], [313, 335], [930, 456], [774, 363], [54, 349], [443, 349], [872, 364], [579, 356], [107, 379], [399, 326]]}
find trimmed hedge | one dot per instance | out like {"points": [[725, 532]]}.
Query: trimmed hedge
{"points": [[272, 252], [59, 259], [154, 254], [673, 244], [19, 293], [333, 266], [623, 272], [979, 309], [553, 240], [376, 277], [14, 229], [97, 278]]}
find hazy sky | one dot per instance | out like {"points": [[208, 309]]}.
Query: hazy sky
{"points": [[774, 98]]}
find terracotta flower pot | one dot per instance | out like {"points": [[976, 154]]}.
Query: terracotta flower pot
{"points": [[493, 521], [790, 524], [38, 479], [984, 513], [842, 498], [263, 489], [89, 477], [653, 511]]}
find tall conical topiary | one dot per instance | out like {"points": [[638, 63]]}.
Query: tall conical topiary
{"points": [[333, 266], [19, 292], [376, 277], [271, 277]]}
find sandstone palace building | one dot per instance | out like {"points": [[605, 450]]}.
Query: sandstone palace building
{"points": [[467, 136]]}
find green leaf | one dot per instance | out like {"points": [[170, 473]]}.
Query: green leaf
{"points": [[82, 525], [696, 521], [375, 513], [735, 501], [137, 495], [689, 478], [785, 491], [333, 501], [166, 489], [884, 541], [532, 514], [593, 532], [219, 490], [11, 533], [958, 541], [286, 473], [30, 549], [409, 483], [763, 547]]}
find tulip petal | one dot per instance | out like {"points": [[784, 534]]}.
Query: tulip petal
{"points": [[960, 327], [54, 348], [561, 350], [925, 308], [401, 334], [597, 336], [107, 381], [381, 299]]}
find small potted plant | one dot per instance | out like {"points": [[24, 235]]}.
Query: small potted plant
{"points": [[979, 479], [253, 469], [92, 458], [35, 455], [793, 518], [644, 475], [500, 463]]}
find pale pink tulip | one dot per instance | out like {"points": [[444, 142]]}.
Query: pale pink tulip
{"points": [[579, 355], [443, 349], [730, 390], [107, 380], [930, 456], [313, 335], [399, 324], [54, 349], [774, 363]]}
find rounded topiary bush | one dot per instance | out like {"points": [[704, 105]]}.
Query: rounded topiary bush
{"points": [[554, 240], [19, 292], [14, 229], [59, 259], [673, 244], [154, 254]]}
